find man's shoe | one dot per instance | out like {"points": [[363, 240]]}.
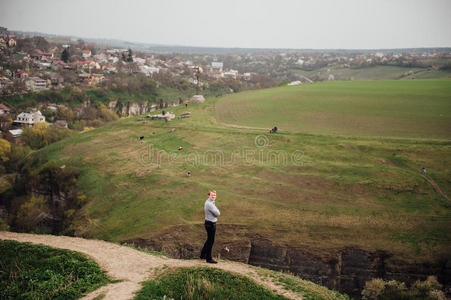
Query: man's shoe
{"points": [[211, 261]]}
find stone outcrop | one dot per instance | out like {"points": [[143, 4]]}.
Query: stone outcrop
{"points": [[345, 270], [126, 108], [132, 108]]}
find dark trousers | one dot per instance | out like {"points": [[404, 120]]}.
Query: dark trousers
{"points": [[211, 231]]}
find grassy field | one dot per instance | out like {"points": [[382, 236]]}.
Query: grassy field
{"points": [[375, 73], [203, 283], [318, 191], [409, 108], [210, 283], [41, 272]]}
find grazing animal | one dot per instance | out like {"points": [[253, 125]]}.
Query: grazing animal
{"points": [[180, 148], [188, 173], [141, 138]]}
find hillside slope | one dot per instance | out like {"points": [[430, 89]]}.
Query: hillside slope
{"points": [[313, 197]]}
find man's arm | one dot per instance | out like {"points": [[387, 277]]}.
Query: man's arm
{"points": [[214, 210]]}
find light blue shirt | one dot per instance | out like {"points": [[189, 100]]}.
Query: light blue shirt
{"points": [[211, 211]]}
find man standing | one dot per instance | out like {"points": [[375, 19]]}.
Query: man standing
{"points": [[211, 217]]}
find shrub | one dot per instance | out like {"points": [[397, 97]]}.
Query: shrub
{"points": [[373, 288], [42, 135], [32, 212], [3, 225], [425, 289], [394, 290]]}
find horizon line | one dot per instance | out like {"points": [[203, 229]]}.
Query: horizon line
{"points": [[149, 44]]}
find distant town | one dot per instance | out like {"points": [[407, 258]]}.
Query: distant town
{"points": [[35, 64], [42, 77]]}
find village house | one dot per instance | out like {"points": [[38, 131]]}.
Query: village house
{"points": [[248, 75], [2, 42], [22, 75], [85, 78], [43, 65], [87, 64], [110, 69], [61, 123], [13, 136], [52, 107], [217, 65], [56, 80], [4, 109], [97, 78], [54, 50], [58, 64], [148, 71], [41, 55], [86, 53], [91, 79], [139, 61], [153, 107], [113, 59], [29, 118], [36, 84], [101, 58], [4, 82], [196, 69], [113, 51], [36, 54], [8, 73], [230, 74], [11, 42]]}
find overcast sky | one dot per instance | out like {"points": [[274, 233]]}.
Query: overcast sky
{"points": [[319, 24]]}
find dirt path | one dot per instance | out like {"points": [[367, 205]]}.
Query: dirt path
{"points": [[435, 186], [213, 120], [133, 266]]}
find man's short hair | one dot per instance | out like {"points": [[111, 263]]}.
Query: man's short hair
{"points": [[211, 191]]}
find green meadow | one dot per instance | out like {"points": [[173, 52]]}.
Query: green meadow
{"points": [[375, 73], [407, 108], [204, 283], [344, 168], [41, 272]]}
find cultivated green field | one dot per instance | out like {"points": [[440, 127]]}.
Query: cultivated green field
{"points": [[374, 73], [408, 108], [319, 191]]}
